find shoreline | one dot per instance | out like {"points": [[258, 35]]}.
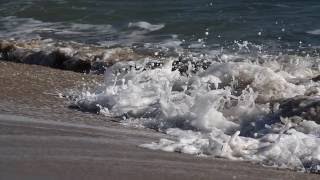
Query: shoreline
{"points": [[24, 100]]}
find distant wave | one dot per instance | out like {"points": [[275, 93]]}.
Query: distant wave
{"points": [[15, 27], [146, 25], [314, 32], [104, 34]]}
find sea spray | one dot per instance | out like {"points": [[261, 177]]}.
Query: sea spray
{"points": [[232, 109]]}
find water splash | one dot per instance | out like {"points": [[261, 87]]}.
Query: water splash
{"points": [[229, 109]]}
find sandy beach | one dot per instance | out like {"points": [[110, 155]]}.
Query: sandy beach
{"points": [[41, 138]]}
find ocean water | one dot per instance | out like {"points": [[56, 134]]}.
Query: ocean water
{"points": [[230, 79], [274, 24]]}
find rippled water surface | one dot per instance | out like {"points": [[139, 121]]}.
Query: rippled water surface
{"points": [[272, 23]]}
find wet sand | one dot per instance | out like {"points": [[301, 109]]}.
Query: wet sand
{"points": [[41, 138]]}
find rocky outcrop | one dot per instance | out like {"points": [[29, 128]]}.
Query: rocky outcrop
{"points": [[55, 58], [90, 58], [65, 55]]}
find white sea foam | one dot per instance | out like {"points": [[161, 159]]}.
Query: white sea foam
{"points": [[26, 28], [222, 111], [146, 25], [103, 34], [314, 32]]}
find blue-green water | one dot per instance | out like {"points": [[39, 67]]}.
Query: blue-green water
{"points": [[217, 23]]}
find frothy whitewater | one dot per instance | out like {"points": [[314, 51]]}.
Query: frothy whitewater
{"points": [[235, 108]]}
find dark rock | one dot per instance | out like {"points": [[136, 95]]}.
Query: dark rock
{"points": [[296, 109], [77, 65], [316, 79], [85, 106], [307, 107], [59, 59], [17, 55], [65, 62], [39, 58], [55, 59], [99, 67], [313, 166]]}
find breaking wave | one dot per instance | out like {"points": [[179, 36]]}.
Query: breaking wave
{"points": [[262, 108], [146, 25], [12, 27], [314, 32]]}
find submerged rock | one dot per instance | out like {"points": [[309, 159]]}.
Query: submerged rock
{"points": [[86, 106], [316, 79], [306, 107]]}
